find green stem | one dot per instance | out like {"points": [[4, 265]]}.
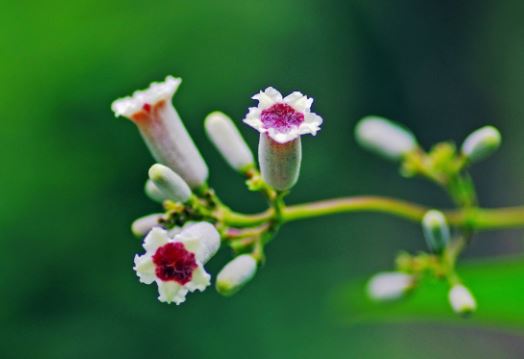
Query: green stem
{"points": [[478, 218]]}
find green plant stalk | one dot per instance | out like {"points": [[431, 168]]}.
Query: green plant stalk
{"points": [[474, 218]]}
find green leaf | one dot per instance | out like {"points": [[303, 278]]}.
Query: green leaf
{"points": [[498, 286]]}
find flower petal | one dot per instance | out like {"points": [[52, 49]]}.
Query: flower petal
{"points": [[298, 101], [267, 98], [145, 268], [157, 237], [311, 124], [200, 280], [171, 291]]}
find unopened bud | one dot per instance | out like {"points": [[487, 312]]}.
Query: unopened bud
{"points": [[153, 192], [143, 225], [461, 300], [227, 139], [162, 129], [384, 137], [436, 230], [169, 183], [279, 162], [388, 286], [236, 274], [481, 143], [202, 238]]}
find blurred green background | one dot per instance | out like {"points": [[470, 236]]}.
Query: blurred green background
{"points": [[72, 174]]}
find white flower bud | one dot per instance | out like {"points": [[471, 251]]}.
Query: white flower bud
{"points": [[279, 162], [461, 300], [481, 143], [202, 238], [436, 230], [227, 139], [163, 131], [387, 286], [143, 225], [153, 192], [236, 274], [169, 183], [384, 137]]}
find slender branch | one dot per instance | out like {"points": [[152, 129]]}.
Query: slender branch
{"points": [[479, 219]]}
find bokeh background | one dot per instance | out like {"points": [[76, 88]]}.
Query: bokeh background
{"points": [[72, 174]]}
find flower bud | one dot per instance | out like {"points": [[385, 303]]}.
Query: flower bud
{"points": [[461, 300], [172, 186], [163, 131], [279, 162], [153, 192], [388, 286], [436, 230], [384, 137], [143, 225], [236, 274], [202, 238], [481, 143], [227, 139]]}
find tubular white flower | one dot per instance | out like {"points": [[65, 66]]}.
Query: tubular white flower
{"points": [[169, 183], [461, 300], [163, 131], [279, 162], [436, 230], [175, 263], [384, 137], [227, 139], [141, 226], [281, 122], [153, 192], [388, 286], [481, 143], [236, 274], [202, 238]]}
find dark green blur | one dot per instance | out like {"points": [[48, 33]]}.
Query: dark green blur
{"points": [[72, 175]]}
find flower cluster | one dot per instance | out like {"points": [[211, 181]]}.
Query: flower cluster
{"points": [[179, 241], [194, 223]]}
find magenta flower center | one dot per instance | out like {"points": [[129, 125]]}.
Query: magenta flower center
{"points": [[281, 117], [174, 262]]}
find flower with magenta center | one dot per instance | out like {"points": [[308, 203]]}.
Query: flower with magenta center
{"points": [[176, 264], [281, 121]]}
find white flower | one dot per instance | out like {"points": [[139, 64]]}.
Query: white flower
{"points": [[176, 264], [461, 300], [283, 119], [236, 274], [163, 131], [389, 285]]}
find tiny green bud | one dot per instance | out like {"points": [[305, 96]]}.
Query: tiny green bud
{"points": [[384, 137], [236, 274], [481, 143], [227, 139], [436, 230], [279, 162], [143, 225], [153, 192], [461, 300], [171, 184]]}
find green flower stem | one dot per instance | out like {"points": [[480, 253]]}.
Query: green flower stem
{"points": [[475, 218]]}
